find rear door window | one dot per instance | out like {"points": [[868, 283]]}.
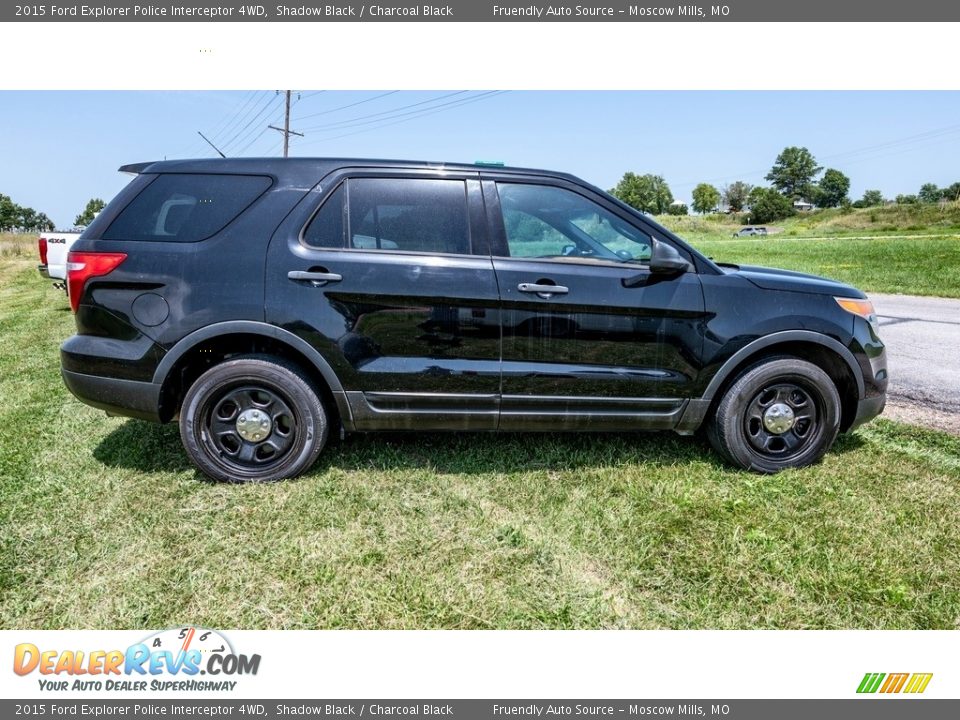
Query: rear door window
{"points": [[408, 215], [186, 208]]}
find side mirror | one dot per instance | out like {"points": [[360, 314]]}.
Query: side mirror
{"points": [[665, 260]]}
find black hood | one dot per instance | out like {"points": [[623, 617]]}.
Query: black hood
{"points": [[776, 279]]}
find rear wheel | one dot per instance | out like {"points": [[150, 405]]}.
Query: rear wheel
{"points": [[781, 413], [253, 419]]}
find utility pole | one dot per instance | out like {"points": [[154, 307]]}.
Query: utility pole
{"points": [[287, 132]]}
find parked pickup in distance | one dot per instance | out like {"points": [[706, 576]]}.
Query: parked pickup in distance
{"points": [[54, 247]]}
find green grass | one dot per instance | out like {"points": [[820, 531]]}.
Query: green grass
{"points": [[838, 222], [19, 245], [912, 249], [916, 266], [104, 524]]}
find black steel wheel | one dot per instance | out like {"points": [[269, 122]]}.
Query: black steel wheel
{"points": [[253, 419], [780, 413], [781, 419]]}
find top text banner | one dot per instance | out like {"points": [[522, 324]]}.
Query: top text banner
{"points": [[487, 11]]}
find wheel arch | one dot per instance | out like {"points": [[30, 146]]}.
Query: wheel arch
{"points": [[205, 347], [825, 352]]}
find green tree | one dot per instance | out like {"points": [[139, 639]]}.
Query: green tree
{"points": [[16, 217], [43, 223], [793, 172], [27, 219], [832, 189], [952, 193], [706, 198], [649, 193], [8, 213], [678, 209], [767, 205], [930, 193], [907, 200], [872, 198], [94, 205], [736, 195]]}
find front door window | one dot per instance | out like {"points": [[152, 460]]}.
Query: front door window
{"points": [[542, 221]]}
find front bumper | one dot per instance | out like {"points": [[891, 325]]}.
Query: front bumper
{"points": [[868, 409]]}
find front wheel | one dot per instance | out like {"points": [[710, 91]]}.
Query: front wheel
{"points": [[781, 413], [253, 419]]}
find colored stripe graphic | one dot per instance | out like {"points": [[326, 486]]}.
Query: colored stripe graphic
{"points": [[918, 683], [894, 683], [870, 682]]}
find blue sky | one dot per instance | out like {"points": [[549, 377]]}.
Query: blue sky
{"points": [[61, 148]]}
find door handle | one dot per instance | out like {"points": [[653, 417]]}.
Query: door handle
{"points": [[317, 279], [543, 290]]}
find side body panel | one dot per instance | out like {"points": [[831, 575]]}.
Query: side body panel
{"points": [[406, 332], [616, 348]]}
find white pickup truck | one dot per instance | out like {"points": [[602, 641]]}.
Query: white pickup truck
{"points": [[54, 247]]}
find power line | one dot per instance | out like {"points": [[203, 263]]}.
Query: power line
{"points": [[264, 106], [259, 135], [894, 152], [244, 131], [256, 112], [255, 101], [423, 113], [196, 147], [920, 139], [349, 105], [393, 112], [909, 140], [262, 132], [231, 118]]}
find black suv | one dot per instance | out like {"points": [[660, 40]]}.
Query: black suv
{"points": [[266, 301]]}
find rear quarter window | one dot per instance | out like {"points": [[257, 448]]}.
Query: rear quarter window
{"points": [[186, 208]]}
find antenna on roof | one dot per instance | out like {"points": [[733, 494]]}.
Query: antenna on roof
{"points": [[211, 144]]}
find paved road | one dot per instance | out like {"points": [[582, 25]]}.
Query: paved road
{"points": [[922, 336]]}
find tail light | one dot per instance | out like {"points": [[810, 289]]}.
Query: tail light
{"points": [[42, 245], [81, 266]]}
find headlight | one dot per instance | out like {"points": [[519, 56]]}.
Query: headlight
{"points": [[863, 308]]}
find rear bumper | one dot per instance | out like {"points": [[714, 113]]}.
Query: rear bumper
{"points": [[130, 398], [44, 271]]}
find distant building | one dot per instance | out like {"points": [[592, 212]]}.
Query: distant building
{"points": [[802, 206]]}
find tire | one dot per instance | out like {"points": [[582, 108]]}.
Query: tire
{"points": [[253, 419], [781, 413]]}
